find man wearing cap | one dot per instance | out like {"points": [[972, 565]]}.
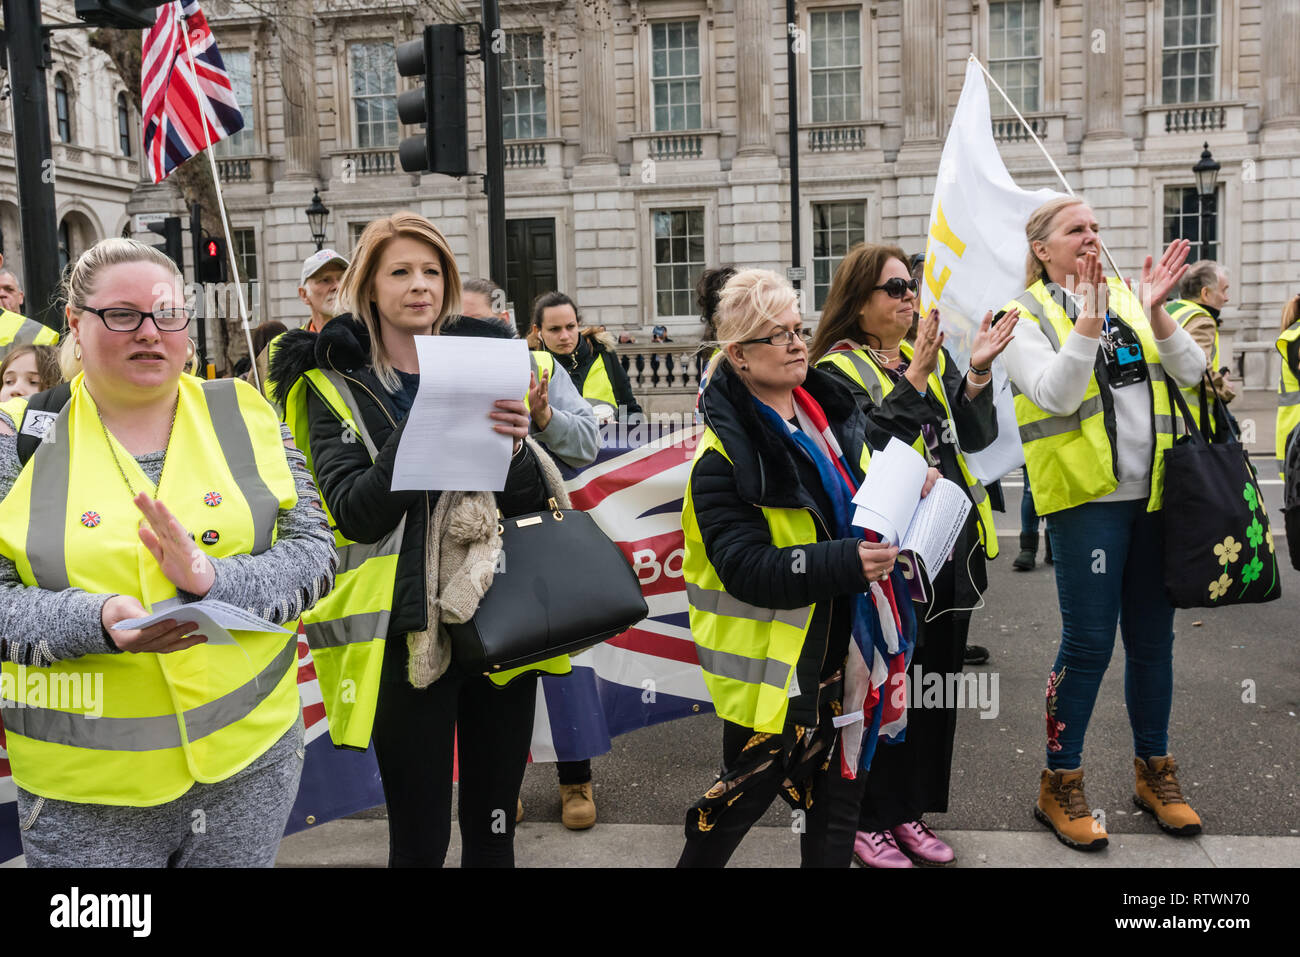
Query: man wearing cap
{"points": [[318, 288], [15, 328]]}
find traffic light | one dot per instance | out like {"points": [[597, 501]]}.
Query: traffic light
{"points": [[170, 230], [439, 57], [117, 14], [212, 260]]}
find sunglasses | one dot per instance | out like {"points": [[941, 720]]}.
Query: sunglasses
{"points": [[898, 288]]}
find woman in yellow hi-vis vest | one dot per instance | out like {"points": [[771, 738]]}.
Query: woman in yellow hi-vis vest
{"points": [[1091, 376], [149, 746], [359, 377], [586, 354], [1288, 387], [919, 395], [779, 584]]}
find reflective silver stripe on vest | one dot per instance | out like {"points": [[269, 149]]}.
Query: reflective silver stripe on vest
{"points": [[1164, 424], [47, 511], [1034, 308], [237, 448], [27, 333], [870, 377], [751, 671], [152, 733], [350, 630], [1289, 398], [1060, 424], [728, 606], [350, 401]]}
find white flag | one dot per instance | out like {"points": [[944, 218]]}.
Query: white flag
{"points": [[975, 253]]}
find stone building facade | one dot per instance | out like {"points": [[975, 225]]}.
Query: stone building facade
{"points": [[646, 139], [95, 134]]}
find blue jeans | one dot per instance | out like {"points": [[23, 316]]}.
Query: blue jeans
{"points": [[1109, 569]]}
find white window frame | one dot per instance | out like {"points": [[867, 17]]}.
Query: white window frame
{"points": [[997, 104], [541, 80], [655, 265], [354, 127], [1049, 79], [244, 142], [1214, 72], [675, 79], [860, 201], [863, 29], [643, 60], [1228, 57]]}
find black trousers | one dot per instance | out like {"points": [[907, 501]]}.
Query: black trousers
{"points": [[574, 772], [415, 733], [827, 803], [911, 778]]}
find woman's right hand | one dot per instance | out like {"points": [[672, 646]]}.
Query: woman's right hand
{"points": [[160, 638], [877, 560], [925, 352]]}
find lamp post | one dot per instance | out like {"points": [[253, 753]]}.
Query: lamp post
{"points": [[1206, 172], [317, 214]]}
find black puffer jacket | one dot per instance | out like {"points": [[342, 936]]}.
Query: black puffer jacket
{"points": [[767, 472], [358, 491], [578, 364]]}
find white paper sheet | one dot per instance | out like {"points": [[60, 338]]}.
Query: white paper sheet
{"points": [[936, 524], [449, 442], [214, 619], [888, 495]]}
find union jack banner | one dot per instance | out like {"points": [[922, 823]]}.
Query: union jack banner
{"points": [[179, 96]]}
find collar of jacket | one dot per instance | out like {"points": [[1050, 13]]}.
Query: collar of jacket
{"points": [[766, 474], [1214, 313]]}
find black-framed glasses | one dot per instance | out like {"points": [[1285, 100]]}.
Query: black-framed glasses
{"points": [[898, 288], [782, 338], [120, 319]]}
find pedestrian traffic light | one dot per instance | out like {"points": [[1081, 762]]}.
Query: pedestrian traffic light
{"points": [[117, 14], [170, 230], [439, 57], [212, 260]]}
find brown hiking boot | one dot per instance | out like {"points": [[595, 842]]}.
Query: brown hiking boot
{"points": [[1159, 793], [1062, 807], [577, 808]]}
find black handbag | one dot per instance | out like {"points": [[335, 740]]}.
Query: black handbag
{"points": [[1218, 547], [561, 587]]}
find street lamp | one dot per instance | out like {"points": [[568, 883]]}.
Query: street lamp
{"points": [[1206, 172], [317, 213]]}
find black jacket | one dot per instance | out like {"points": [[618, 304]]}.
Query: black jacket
{"points": [[359, 492], [767, 472], [578, 364], [902, 413]]}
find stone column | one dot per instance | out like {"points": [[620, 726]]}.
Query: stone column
{"points": [[1103, 73], [922, 64], [297, 62], [754, 76], [1280, 64], [596, 82]]}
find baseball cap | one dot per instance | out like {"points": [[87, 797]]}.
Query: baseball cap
{"points": [[318, 261]]}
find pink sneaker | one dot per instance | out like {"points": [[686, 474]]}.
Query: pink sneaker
{"points": [[877, 849], [922, 844]]}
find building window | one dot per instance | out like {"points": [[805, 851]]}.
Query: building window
{"points": [[1016, 54], [679, 260], [1191, 51], [523, 88], [837, 228], [62, 110], [836, 70], [675, 75], [374, 94], [239, 66], [1183, 219], [65, 245], [246, 251], [123, 125], [354, 233]]}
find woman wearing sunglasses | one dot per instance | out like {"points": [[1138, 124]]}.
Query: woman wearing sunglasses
{"points": [[780, 585], [920, 396], [150, 746]]}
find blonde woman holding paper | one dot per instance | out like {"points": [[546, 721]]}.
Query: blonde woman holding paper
{"points": [[919, 395]]}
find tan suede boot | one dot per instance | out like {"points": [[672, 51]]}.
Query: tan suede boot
{"points": [[577, 807], [1062, 807], [1159, 793]]}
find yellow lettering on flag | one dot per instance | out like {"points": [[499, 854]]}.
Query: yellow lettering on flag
{"points": [[941, 231]]}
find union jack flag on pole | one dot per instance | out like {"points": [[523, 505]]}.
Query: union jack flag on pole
{"points": [[186, 97]]}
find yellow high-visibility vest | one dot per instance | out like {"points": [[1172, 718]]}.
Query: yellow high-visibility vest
{"points": [[1183, 311], [1288, 395], [862, 369], [18, 330], [748, 654], [167, 721], [1072, 457], [598, 387]]}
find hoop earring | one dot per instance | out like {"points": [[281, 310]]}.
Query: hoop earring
{"points": [[76, 351], [194, 348]]}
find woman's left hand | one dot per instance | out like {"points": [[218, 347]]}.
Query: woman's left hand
{"points": [[1159, 280], [931, 477], [511, 418], [993, 338], [180, 559]]}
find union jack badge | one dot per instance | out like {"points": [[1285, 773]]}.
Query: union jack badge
{"points": [[90, 519], [212, 499]]}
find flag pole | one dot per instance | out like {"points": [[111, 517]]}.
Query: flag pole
{"points": [[1039, 143], [221, 206]]}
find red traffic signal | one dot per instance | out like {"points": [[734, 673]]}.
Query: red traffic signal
{"points": [[212, 260]]}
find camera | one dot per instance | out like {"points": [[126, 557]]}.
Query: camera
{"points": [[1126, 355]]}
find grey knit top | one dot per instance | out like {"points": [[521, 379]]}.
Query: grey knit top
{"points": [[278, 585]]}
